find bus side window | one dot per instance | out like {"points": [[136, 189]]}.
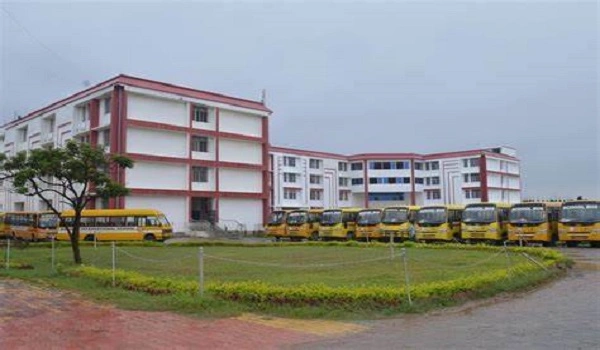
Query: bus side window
{"points": [[117, 221], [131, 221], [101, 221], [152, 221]]}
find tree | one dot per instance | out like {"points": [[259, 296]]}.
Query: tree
{"points": [[75, 174]]}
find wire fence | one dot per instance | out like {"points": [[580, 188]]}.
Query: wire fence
{"points": [[333, 266]]}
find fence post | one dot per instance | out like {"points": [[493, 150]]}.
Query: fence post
{"points": [[95, 240], [114, 263], [53, 254], [392, 246], [201, 271], [406, 279], [508, 260], [7, 253]]}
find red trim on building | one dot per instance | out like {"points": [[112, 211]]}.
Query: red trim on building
{"points": [[60, 126], [158, 126], [193, 131], [314, 154], [198, 162], [483, 179], [503, 173], [144, 84], [413, 195], [209, 194], [384, 156], [123, 140]]}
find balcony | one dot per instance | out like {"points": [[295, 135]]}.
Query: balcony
{"points": [[81, 127], [47, 138]]}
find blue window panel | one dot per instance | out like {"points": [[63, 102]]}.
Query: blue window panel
{"points": [[386, 196]]}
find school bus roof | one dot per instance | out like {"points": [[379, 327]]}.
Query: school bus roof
{"points": [[346, 210], [582, 201], [112, 212], [371, 209], [28, 212], [537, 204], [446, 206], [407, 207], [497, 205]]}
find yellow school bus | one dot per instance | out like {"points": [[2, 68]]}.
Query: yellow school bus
{"points": [[31, 226], [118, 225], [303, 224], [3, 232], [276, 226], [534, 223], [368, 223], [338, 224], [438, 223], [485, 222], [397, 221], [580, 222]]}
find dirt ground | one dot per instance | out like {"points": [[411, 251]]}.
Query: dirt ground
{"points": [[562, 315]]}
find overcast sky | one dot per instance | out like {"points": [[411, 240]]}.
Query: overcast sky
{"points": [[346, 78]]}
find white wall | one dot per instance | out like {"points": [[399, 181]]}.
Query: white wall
{"points": [[245, 211], [240, 151], [175, 208], [153, 175], [240, 180], [240, 123], [157, 142], [154, 109]]}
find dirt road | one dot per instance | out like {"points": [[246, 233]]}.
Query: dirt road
{"points": [[563, 315]]}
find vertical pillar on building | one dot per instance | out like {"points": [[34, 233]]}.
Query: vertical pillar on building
{"points": [[94, 122], [265, 169], [118, 113], [366, 179], [413, 197], [217, 166], [483, 179]]}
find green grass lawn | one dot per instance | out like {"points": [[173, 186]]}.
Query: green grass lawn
{"points": [[282, 265]]}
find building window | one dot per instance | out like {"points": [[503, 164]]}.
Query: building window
{"points": [[289, 193], [418, 166], [199, 174], [316, 195], [402, 165], [427, 181], [343, 181], [435, 194], [289, 161], [475, 193], [465, 177], [107, 105], [372, 180], [419, 180], [315, 179], [23, 134], [199, 144], [83, 113], [435, 165], [201, 114], [289, 177], [357, 181], [435, 180], [356, 166], [475, 177], [344, 195], [386, 196], [314, 164], [474, 162], [342, 166], [465, 163]]}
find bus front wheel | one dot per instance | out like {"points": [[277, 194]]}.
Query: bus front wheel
{"points": [[89, 238], [149, 237]]}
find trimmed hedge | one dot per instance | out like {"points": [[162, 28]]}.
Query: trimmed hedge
{"points": [[310, 294]]}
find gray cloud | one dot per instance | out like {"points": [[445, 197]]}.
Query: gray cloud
{"points": [[346, 78]]}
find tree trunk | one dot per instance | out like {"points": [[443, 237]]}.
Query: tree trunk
{"points": [[75, 238]]}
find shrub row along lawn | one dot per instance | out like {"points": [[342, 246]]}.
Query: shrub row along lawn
{"points": [[304, 276]]}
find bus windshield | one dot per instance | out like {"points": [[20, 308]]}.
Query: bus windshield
{"points": [[276, 218], [331, 217], [527, 214], [394, 216], [479, 214], [370, 217], [163, 221], [584, 212], [48, 221], [297, 218], [432, 216]]}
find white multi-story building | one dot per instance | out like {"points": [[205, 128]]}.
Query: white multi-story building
{"points": [[198, 155], [325, 180], [206, 156]]}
